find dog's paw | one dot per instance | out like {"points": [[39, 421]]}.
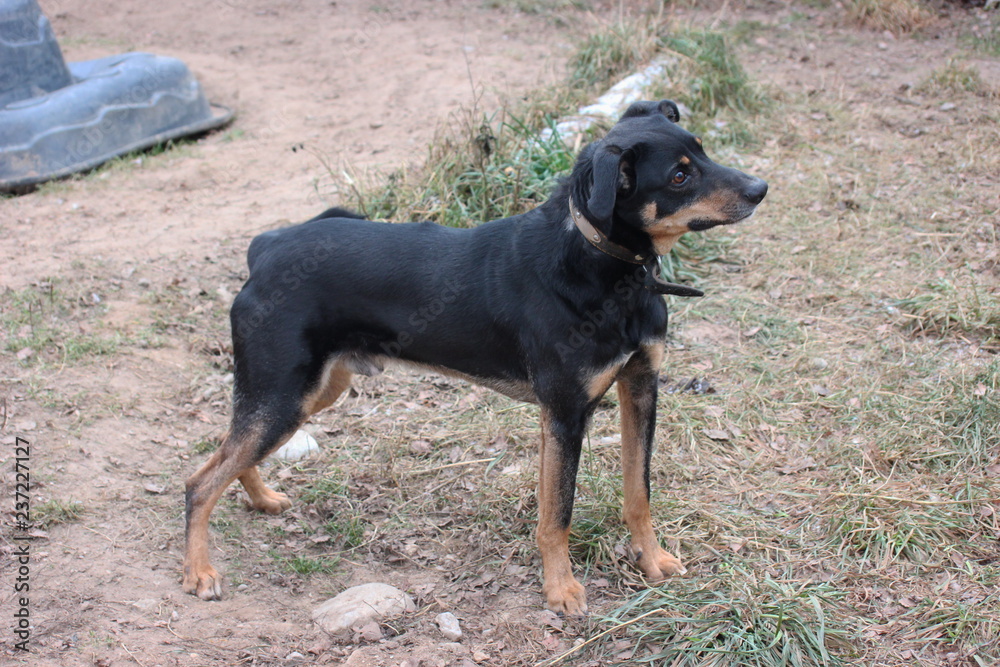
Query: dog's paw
{"points": [[271, 502], [566, 596], [657, 564], [206, 583]]}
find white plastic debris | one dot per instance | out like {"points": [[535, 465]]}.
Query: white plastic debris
{"points": [[298, 447], [612, 104]]}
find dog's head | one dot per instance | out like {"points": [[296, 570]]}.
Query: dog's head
{"points": [[649, 176]]}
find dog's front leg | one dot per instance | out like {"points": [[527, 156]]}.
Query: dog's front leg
{"points": [[559, 458], [637, 386]]}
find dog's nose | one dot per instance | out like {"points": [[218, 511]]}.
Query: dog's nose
{"points": [[755, 191]]}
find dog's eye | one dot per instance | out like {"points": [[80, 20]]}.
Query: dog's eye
{"points": [[679, 178]]}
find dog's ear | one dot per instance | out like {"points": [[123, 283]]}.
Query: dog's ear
{"points": [[664, 107], [670, 110], [612, 172]]}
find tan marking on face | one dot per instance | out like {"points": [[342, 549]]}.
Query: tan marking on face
{"points": [[685, 160], [698, 139], [665, 231]]}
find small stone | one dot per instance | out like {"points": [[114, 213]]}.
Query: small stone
{"points": [[360, 604], [947, 106], [294, 655], [298, 447], [819, 363], [479, 656], [449, 626], [24, 353], [718, 434], [143, 282], [370, 631]]}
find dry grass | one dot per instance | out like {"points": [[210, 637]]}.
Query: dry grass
{"points": [[896, 16]]}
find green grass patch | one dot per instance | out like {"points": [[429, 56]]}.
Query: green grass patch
{"points": [[304, 565], [955, 77], [493, 168], [54, 512], [738, 618], [347, 532], [875, 529], [966, 303], [42, 324], [324, 486], [936, 422], [711, 81]]}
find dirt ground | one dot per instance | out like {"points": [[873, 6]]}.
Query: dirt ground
{"points": [[149, 252]]}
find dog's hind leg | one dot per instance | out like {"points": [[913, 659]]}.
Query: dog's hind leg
{"points": [[637, 386], [257, 431], [334, 381], [237, 455]]}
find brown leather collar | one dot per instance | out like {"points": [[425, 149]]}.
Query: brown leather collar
{"points": [[601, 242], [651, 263]]}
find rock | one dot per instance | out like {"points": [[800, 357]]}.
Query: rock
{"points": [[360, 605], [449, 626], [370, 631], [298, 447]]}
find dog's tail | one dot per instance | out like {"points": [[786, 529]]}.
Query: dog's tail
{"points": [[337, 212]]}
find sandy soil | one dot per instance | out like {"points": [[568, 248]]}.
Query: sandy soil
{"points": [[144, 248]]}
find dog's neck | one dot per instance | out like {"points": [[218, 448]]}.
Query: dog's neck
{"points": [[599, 240], [649, 261]]}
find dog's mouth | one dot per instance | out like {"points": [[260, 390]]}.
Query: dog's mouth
{"points": [[701, 224]]}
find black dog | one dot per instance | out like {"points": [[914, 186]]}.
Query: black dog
{"points": [[552, 307]]}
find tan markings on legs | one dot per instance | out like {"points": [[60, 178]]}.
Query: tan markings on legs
{"points": [[653, 560], [262, 497], [563, 593], [602, 381], [234, 458], [335, 380], [654, 352]]}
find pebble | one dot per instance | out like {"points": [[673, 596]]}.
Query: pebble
{"points": [[449, 626]]}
